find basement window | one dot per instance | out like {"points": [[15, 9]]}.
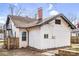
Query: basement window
{"points": [[46, 36], [57, 21]]}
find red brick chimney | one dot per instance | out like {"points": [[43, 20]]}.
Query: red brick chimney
{"points": [[39, 14]]}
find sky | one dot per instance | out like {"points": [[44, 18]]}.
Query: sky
{"points": [[30, 9]]}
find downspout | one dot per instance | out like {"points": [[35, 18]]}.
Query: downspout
{"points": [[28, 36]]}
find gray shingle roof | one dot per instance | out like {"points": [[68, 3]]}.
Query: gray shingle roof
{"points": [[20, 21], [53, 18], [25, 22]]}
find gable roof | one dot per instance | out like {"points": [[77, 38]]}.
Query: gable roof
{"points": [[20, 21], [26, 22], [54, 17]]}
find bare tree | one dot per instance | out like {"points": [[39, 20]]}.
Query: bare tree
{"points": [[11, 8], [14, 10], [72, 17], [20, 11]]}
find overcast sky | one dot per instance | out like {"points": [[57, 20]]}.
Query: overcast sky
{"points": [[31, 9]]}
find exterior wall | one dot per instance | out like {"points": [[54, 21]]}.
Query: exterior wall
{"points": [[14, 29], [17, 32], [61, 34], [23, 43], [34, 37], [47, 43]]}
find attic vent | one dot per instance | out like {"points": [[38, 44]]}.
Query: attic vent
{"points": [[57, 21]]}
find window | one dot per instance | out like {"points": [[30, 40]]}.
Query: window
{"points": [[57, 21], [45, 36], [23, 36]]}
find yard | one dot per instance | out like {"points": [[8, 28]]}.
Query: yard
{"points": [[1, 43], [26, 52], [32, 52], [71, 51], [19, 52]]}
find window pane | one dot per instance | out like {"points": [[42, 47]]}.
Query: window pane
{"points": [[46, 36], [57, 21], [23, 36]]}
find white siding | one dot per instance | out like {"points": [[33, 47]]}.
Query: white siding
{"points": [[47, 43], [60, 32], [14, 29], [34, 38], [18, 33], [36, 35], [62, 36]]}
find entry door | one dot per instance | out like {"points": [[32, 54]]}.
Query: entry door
{"points": [[23, 42]]}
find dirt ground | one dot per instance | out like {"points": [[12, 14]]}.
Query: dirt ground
{"points": [[24, 52], [28, 52]]}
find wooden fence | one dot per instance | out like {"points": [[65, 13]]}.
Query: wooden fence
{"points": [[11, 43], [75, 40]]}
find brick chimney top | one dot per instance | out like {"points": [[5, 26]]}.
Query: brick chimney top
{"points": [[40, 14]]}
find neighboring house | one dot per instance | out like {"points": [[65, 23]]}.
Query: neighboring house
{"points": [[51, 32], [75, 32], [1, 36], [1, 32], [1, 26]]}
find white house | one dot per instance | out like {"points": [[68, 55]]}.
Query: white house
{"points": [[1, 32], [51, 32]]}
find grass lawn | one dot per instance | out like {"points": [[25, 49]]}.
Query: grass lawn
{"points": [[8, 53], [1, 41], [75, 49]]}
